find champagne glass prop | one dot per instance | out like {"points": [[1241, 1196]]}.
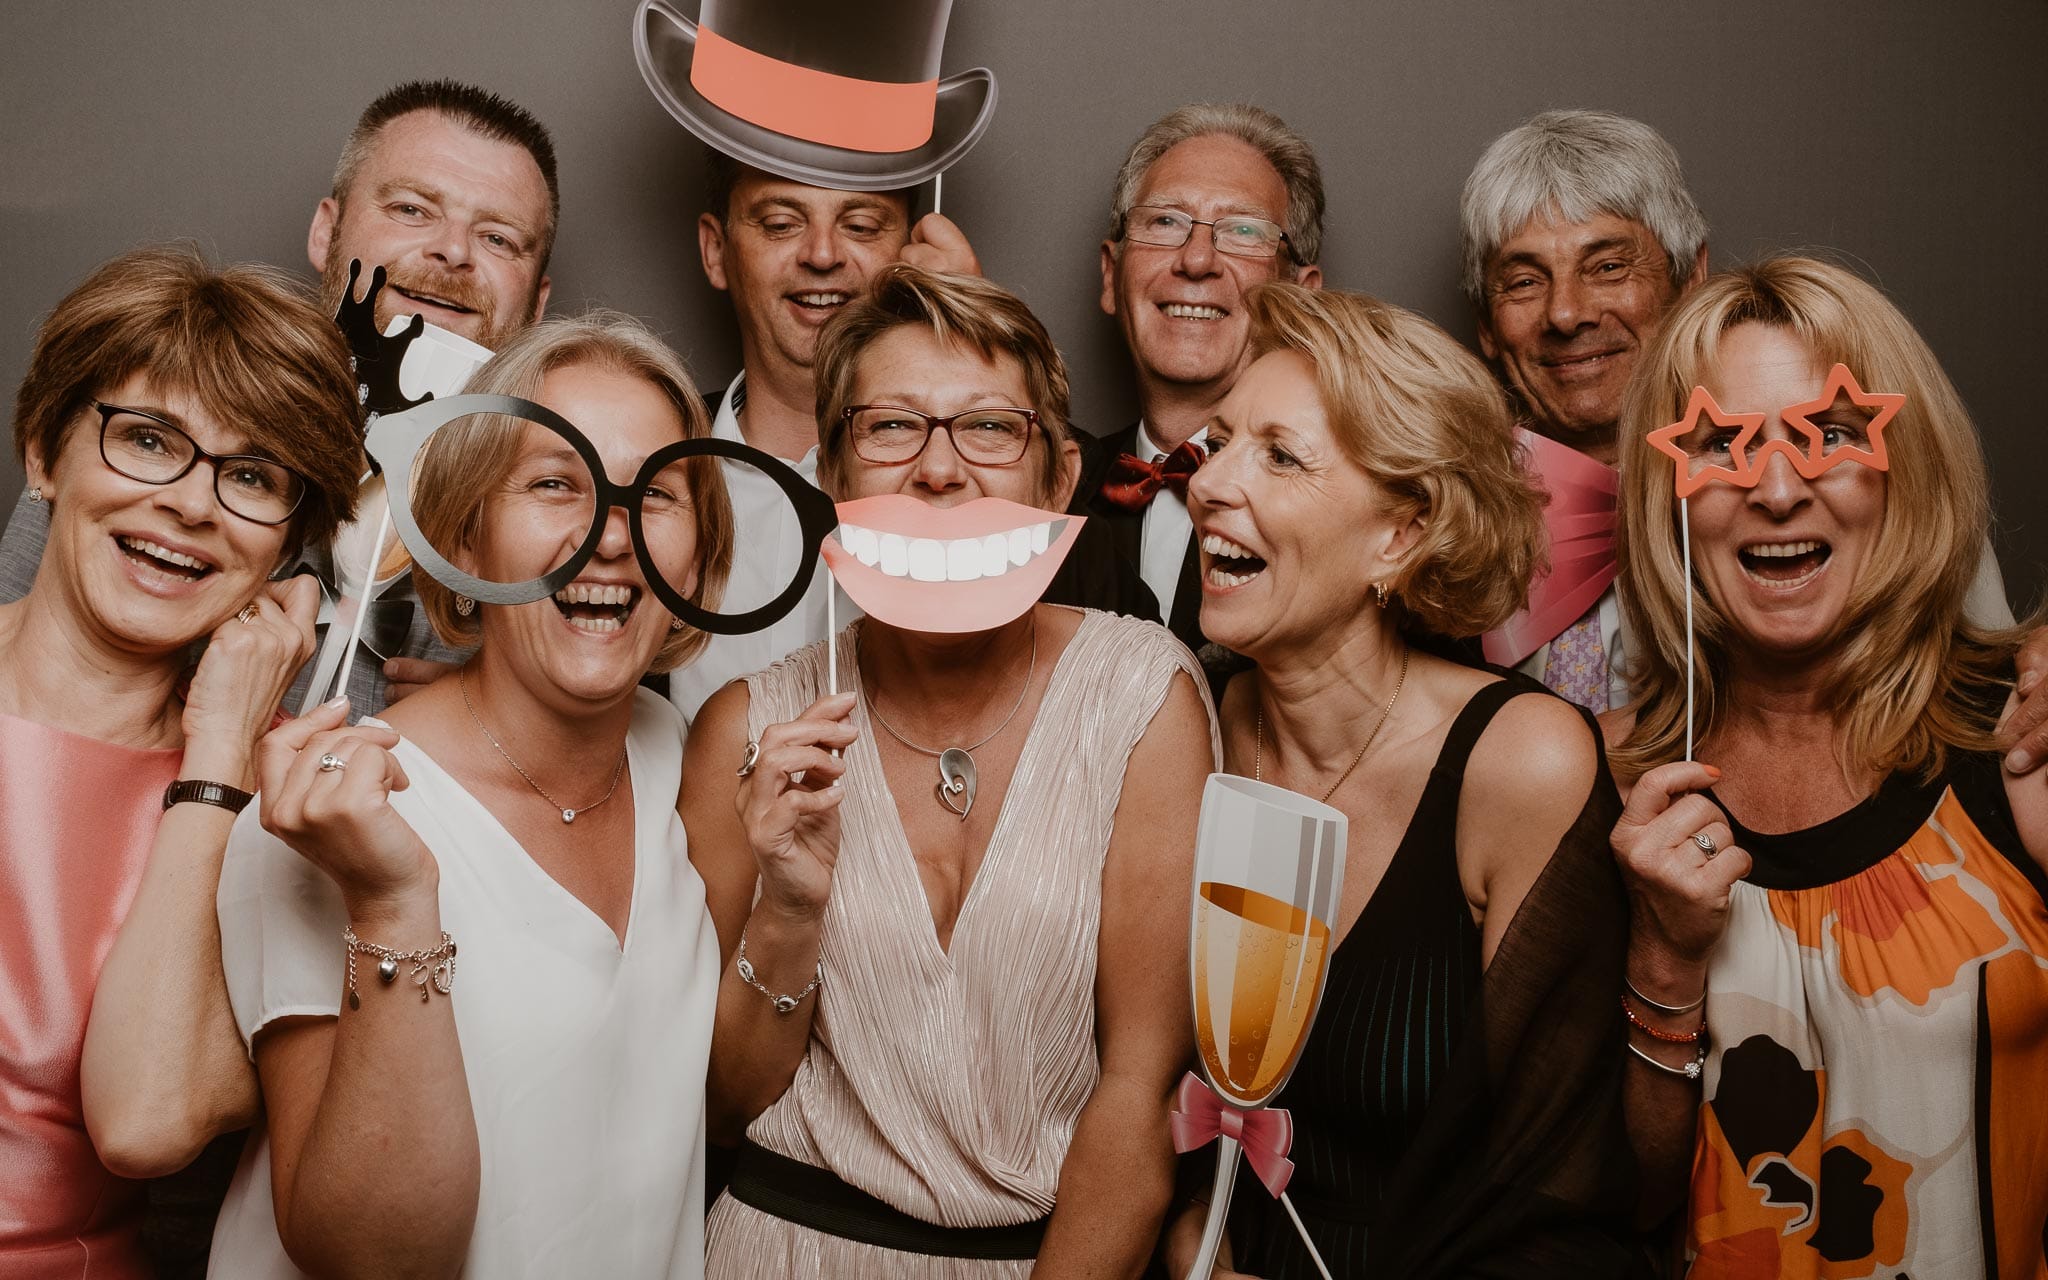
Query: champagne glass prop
{"points": [[1269, 866]]}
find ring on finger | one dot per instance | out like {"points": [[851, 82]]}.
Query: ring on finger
{"points": [[1706, 843], [331, 763], [248, 613], [753, 757]]}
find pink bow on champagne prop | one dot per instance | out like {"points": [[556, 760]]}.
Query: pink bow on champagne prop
{"points": [[1580, 522], [1200, 1116]]}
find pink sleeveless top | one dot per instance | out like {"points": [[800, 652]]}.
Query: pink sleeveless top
{"points": [[77, 819]]}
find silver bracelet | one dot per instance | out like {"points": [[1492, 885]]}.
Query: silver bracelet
{"points": [[1669, 1010], [1691, 1071], [432, 966], [783, 1004]]}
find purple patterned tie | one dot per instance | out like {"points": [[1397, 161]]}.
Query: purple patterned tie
{"points": [[1577, 667]]}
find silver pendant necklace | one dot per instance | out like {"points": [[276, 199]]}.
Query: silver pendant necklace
{"points": [[957, 778], [568, 814]]}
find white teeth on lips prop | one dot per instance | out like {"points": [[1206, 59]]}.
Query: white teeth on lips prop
{"points": [[947, 569]]}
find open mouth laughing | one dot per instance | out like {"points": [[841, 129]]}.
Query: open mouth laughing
{"points": [[1226, 564], [168, 563], [598, 607], [1784, 566], [820, 304]]}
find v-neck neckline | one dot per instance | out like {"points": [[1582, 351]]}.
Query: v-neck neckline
{"points": [[899, 835], [620, 941]]}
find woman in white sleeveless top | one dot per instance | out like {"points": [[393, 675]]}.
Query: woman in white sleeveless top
{"points": [[952, 1043], [539, 1113]]}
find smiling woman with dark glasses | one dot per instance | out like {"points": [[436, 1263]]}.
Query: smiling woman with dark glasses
{"points": [[120, 765]]}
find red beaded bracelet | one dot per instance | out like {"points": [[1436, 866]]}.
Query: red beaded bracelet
{"points": [[1694, 1036]]}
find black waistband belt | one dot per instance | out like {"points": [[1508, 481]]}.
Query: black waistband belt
{"points": [[817, 1198]]}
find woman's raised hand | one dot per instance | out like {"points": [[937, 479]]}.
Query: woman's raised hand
{"points": [[248, 666], [1678, 891], [339, 817], [789, 804]]}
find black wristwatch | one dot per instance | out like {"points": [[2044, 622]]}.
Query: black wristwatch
{"points": [[215, 793]]}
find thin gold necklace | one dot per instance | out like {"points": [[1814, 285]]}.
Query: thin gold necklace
{"points": [[1259, 733], [568, 814]]}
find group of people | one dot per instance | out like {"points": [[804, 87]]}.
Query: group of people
{"points": [[1714, 940]]}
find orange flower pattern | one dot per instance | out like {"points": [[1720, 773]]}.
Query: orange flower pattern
{"points": [[1855, 1027]]}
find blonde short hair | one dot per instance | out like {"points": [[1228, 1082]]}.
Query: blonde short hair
{"points": [[964, 310], [466, 458], [1430, 425], [1910, 670]]}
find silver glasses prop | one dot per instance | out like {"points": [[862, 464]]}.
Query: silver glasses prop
{"points": [[1269, 867]]}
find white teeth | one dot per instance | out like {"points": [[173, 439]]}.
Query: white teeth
{"points": [[861, 543], [1218, 545], [1189, 311], [596, 593], [596, 625], [1219, 578], [1782, 550], [927, 560], [895, 554], [163, 553], [957, 560], [821, 299]]}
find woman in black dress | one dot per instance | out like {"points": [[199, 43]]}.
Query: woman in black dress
{"points": [[1458, 1106]]}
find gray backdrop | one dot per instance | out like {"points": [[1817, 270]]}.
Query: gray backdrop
{"points": [[1894, 131]]}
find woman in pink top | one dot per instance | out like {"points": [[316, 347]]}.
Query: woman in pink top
{"points": [[189, 429]]}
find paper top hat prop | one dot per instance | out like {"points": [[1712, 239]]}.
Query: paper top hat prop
{"points": [[846, 96]]}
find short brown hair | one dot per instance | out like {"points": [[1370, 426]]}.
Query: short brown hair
{"points": [[466, 459], [245, 341], [482, 112], [965, 310], [1431, 427], [1909, 670]]}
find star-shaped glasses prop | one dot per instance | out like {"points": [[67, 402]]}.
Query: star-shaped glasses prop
{"points": [[549, 483], [1707, 433]]}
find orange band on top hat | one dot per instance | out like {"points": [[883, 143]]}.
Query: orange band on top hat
{"points": [[817, 106]]}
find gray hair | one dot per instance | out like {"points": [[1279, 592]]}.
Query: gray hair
{"points": [[1287, 151], [1573, 166]]}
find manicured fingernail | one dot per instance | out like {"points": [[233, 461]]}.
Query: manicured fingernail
{"points": [[1711, 769], [2020, 760], [338, 700]]}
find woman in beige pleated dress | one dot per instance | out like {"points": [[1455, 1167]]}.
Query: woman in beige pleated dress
{"points": [[949, 1041]]}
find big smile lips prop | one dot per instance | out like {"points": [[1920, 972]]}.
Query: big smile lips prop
{"points": [[950, 570], [1710, 445]]}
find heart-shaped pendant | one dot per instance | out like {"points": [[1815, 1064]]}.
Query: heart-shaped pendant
{"points": [[956, 781]]}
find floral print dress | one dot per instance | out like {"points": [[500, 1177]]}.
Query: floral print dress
{"points": [[1877, 1089]]}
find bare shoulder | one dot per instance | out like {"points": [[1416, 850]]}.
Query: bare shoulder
{"points": [[1537, 756], [718, 734]]}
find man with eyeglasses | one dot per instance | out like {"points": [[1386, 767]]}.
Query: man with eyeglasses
{"points": [[452, 190], [1211, 200]]}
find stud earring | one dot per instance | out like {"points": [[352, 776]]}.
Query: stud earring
{"points": [[36, 494], [1379, 592], [464, 606], [675, 624]]}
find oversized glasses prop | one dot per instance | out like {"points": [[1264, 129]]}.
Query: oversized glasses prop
{"points": [[563, 497], [1698, 442], [1269, 866]]}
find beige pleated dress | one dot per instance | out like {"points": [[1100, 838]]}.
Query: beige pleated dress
{"points": [[948, 1085]]}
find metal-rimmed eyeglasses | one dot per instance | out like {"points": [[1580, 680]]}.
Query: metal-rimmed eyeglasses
{"points": [[142, 446], [989, 437], [1241, 234]]}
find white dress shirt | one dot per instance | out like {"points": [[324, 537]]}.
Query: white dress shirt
{"points": [[767, 541], [1163, 539]]}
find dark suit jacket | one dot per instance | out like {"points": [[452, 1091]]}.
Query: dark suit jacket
{"points": [[1096, 574], [1123, 532]]}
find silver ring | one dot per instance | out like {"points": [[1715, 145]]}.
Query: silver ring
{"points": [[1706, 844], [331, 763], [753, 758], [248, 612]]}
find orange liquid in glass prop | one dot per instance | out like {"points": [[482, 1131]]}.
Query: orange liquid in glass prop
{"points": [[1272, 953]]}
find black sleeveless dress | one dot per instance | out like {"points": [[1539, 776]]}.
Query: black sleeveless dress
{"points": [[1403, 997]]}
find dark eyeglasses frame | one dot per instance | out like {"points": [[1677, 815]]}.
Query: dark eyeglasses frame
{"points": [[933, 424], [1286, 245], [107, 412]]}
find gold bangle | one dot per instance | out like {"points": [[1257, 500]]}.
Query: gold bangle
{"points": [[784, 1005], [433, 967]]}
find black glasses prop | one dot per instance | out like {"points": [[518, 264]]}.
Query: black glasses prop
{"points": [[555, 492], [1240, 234], [144, 447], [889, 434]]}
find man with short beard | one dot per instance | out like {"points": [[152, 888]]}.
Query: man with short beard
{"points": [[452, 190]]}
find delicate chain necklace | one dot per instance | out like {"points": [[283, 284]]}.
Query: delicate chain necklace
{"points": [[568, 814], [1259, 734], [956, 764]]}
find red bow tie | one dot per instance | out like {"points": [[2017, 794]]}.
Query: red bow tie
{"points": [[1131, 481]]}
